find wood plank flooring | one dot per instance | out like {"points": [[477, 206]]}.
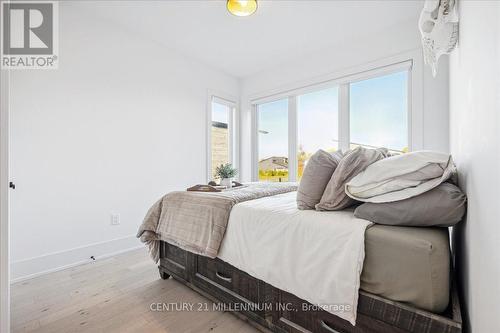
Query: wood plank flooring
{"points": [[113, 295]]}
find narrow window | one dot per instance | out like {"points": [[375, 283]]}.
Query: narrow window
{"points": [[221, 134]]}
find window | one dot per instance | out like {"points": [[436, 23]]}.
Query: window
{"points": [[379, 112], [317, 124], [221, 133], [272, 120], [369, 109]]}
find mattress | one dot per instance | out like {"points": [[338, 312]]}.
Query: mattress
{"points": [[297, 251], [408, 264]]}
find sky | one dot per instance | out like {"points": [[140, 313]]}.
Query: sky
{"points": [[273, 129], [379, 114], [317, 117], [378, 117], [220, 113]]}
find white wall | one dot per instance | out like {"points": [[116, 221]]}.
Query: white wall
{"points": [[475, 145], [4, 205], [120, 123], [403, 38]]}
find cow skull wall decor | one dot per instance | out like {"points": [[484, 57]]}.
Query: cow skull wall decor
{"points": [[438, 25]]}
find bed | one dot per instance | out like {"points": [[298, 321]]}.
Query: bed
{"points": [[404, 284]]}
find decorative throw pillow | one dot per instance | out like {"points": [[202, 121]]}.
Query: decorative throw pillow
{"points": [[354, 162], [442, 206], [318, 171]]}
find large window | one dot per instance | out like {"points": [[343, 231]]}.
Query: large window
{"points": [[370, 109], [272, 120], [221, 133]]}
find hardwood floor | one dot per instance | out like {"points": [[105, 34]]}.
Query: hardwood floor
{"points": [[113, 295]]}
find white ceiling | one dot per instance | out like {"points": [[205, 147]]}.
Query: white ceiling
{"points": [[280, 31]]}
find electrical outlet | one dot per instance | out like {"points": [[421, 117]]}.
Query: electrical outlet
{"points": [[115, 219]]}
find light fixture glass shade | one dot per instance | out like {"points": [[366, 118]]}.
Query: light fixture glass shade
{"points": [[241, 7]]}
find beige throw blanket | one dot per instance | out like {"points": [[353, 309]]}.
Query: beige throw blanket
{"points": [[196, 221]]}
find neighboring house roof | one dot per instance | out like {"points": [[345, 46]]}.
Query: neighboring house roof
{"points": [[274, 162], [219, 124]]}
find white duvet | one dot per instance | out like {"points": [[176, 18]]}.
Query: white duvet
{"points": [[317, 256]]}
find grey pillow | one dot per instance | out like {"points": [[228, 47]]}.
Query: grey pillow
{"points": [[442, 206], [319, 170], [354, 162]]}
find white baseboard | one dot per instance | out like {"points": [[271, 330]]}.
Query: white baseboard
{"points": [[29, 268]]}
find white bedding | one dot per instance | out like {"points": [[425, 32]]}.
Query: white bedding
{"points": [[317, 256], [401, 177]]}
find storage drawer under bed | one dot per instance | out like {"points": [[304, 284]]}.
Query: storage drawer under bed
{"points": [[232, 286], [297, 315]]}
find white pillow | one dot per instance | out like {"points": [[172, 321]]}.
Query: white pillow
{"points": [[401, 177]]}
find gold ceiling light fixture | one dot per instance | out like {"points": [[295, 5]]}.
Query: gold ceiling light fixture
{"points": [[241, 7]]}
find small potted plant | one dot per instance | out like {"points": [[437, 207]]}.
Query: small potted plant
{"points": [[226, 172]]}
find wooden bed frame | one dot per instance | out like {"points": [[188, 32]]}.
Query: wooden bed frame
{"points": [[273, 310]]}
